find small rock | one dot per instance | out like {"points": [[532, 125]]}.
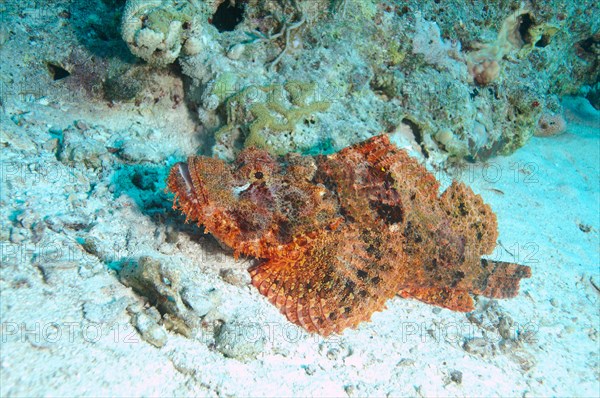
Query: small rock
{"points": [[479, 346], [200, 302], [81, 125], [523, 359], [151, 279], [350, 390], [105, 313], [333, 354], [37, 231], [45, 272], [90, 245], [138, 151], [240, 341], [356, 390], [166, 248], [507, 345], [20, 282], [135, 308], [235, 277], [90, 269], [77, 149], [151, 331], [74, 222], [51, 145], [18, 235], [593, 334], [14, 138], [456, 376], [27, 217], [406, 362], [54, 224], [504, 327], [153, 313]]}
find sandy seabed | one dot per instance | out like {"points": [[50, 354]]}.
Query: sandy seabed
{"points": [[75, 212]]}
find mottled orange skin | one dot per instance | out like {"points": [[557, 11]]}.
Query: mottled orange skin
{"points": [[338, 235]]}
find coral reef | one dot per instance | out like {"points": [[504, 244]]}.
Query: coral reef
{"points": [[469, 89], [338, 235]]}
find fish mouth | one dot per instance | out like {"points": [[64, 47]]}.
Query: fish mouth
{"points": [[181, 184]]}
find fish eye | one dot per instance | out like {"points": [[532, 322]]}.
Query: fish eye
{"points": [[258, 175]]}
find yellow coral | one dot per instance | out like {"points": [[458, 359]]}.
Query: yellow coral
{"points": [[272, 108]]}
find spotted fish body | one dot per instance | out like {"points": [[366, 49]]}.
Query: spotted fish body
{"points": [[338, 235]]}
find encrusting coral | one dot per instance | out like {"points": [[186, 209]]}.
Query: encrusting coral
{"points": [[338, 235], [262, 110]]}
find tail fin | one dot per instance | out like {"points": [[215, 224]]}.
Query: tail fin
{"points": [[500, 279]]}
